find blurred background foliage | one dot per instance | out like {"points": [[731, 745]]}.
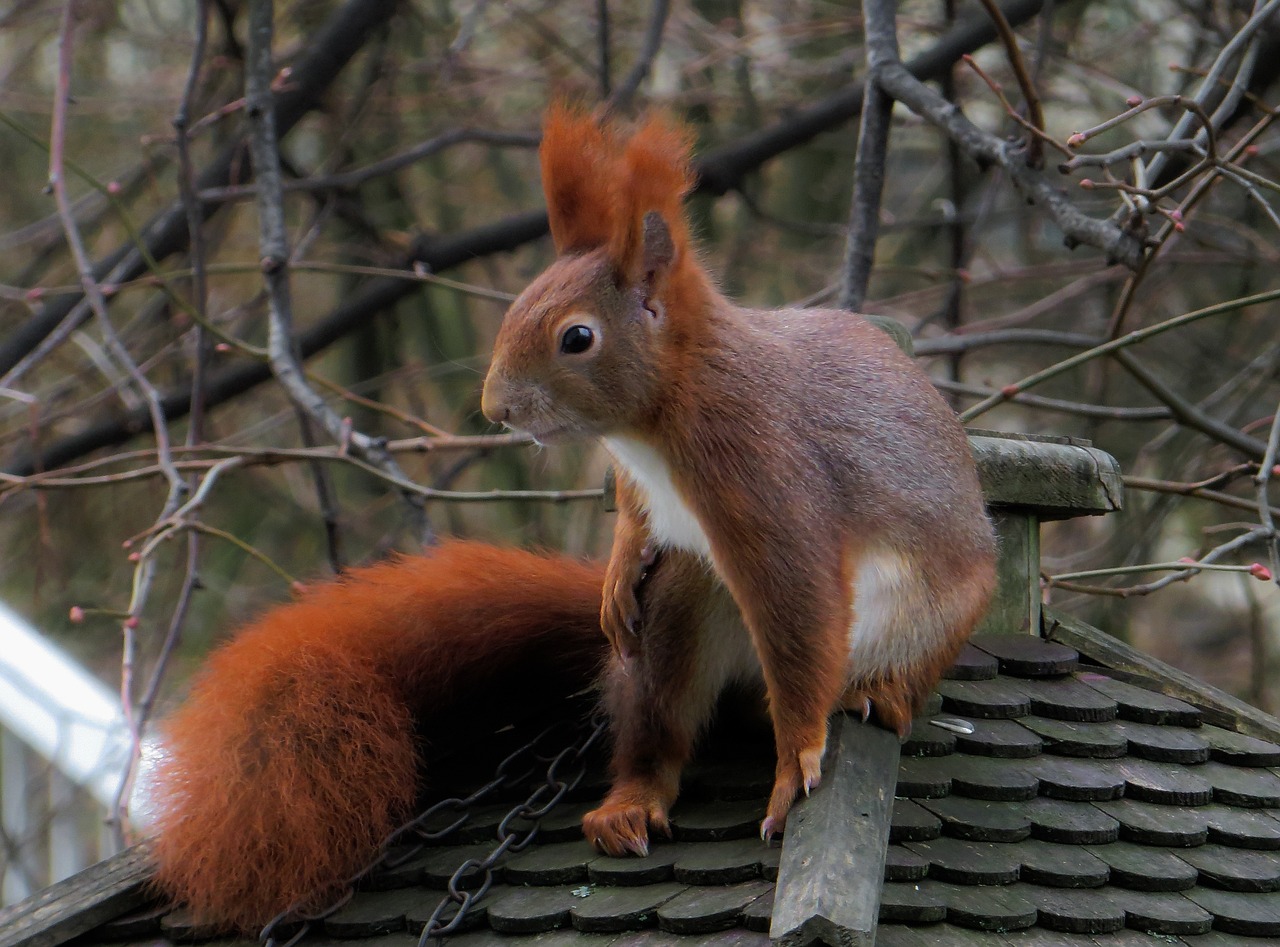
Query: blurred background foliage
{"points": [[960, 253]]}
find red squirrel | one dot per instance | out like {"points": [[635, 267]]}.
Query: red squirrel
{"points": [[797, 505], [797, 457]]}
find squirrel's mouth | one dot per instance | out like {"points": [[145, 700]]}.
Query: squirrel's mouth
{"points": [[548, 433]]}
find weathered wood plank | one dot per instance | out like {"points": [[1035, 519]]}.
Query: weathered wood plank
{"points": [[1145, 671], [829, 879], [79, 903], [1050, 479]]}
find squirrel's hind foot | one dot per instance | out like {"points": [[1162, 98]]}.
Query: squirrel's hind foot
{"points": [[887, 702]]}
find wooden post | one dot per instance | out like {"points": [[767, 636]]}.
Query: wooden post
{"points": [[1027, 480], [1016, 607]]}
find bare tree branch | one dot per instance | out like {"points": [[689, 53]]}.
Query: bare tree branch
{"points": [[274, 243], [332, 47], [1077, 227], [880, 24], [720, 170], [1211, 84], [604, 47], [649, 48], [1116, 345], [1186, 413]]}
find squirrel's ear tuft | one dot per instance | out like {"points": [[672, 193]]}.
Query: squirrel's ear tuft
{"points": [[579, 177], [600, 186], [656, 174]]}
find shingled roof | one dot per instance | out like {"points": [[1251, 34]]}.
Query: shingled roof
{"points": [[1040, 801], [1061, 789]]}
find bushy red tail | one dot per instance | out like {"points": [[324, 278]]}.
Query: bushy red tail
{"points": [[295, 754]]}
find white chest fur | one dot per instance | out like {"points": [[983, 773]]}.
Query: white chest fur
{"points": [[671, 522]]}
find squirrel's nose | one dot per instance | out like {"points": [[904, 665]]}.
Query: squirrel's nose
{"points": [[493, 403]]}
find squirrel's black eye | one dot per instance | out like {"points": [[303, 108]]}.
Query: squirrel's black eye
{"points": [[576, 339]]}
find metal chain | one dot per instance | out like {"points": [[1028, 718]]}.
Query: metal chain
{"points": [[516, 769], [454, 906]]}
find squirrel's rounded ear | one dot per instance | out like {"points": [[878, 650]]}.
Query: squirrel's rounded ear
{"points": [[657, 249]]}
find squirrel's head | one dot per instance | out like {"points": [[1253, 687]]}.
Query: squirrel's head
{"points": [[581, 351]]}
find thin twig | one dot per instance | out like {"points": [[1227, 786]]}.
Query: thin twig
{"points": [[1154, 485], [1126, 153], [404, 417], [650, 45], [1035, 112], [968, 341], [1193, 108], [1102, 412], [1182, 566], [353, 178], [1169, 486], [411, 445], [1191, 569], [1035, 133], [1115, 345]]}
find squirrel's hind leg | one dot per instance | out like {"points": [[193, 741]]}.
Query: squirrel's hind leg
{"points": [[653, 734], [913, 637], [891, 703], [691, 644]]}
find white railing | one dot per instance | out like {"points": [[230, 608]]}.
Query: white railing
{"points": [[63, 749]]}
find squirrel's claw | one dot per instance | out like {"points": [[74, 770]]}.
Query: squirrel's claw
{"points": [[769, 829], [637, 846], [622, 828]]}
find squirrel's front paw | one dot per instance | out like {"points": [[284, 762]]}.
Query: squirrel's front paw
{"points": [[620, 610], [622, 828], [620, 617]]}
